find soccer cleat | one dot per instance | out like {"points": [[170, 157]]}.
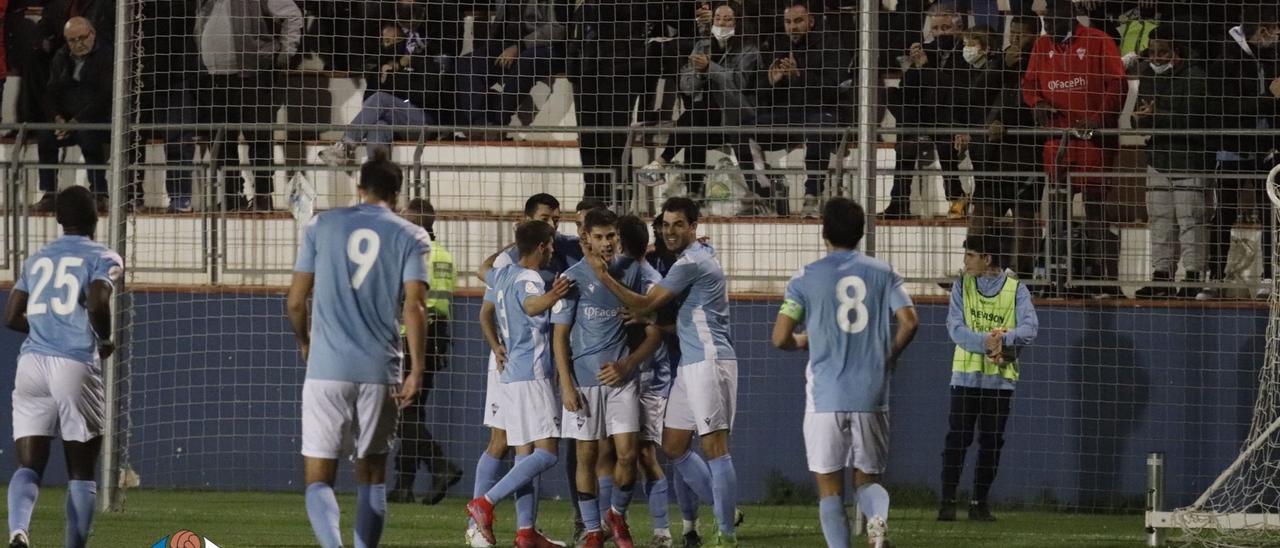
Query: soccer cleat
{"points": [[738, 517], [877, 533], [660, 541], [722, 540], [592, 539], [476, 540], [19, 540], [440, 484], [617, 524], [692, 540], [979, 511], [533, 538], [481, 512], [947, 511]]}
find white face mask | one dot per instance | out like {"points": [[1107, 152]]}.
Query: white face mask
{"points": [[1161, 69], [973, 55], [722, 33]]}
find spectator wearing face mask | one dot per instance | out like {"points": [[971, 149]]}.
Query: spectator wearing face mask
{"points": [[923, 100], [1245, 84], [1174, 95], [718, 83]]}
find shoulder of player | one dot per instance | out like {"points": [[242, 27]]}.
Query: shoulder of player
{"points": [[580, 271], [523, 274]]}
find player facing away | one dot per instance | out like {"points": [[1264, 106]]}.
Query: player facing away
{"points": [[705, 391], [530, 413], [598, 382], [62, 301], [544, 208], [366, 266], [845, 302], [654, 382]]}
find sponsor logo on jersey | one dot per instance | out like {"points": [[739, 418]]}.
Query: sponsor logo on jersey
{"points": [[1077, 82], [595, 312], [1080, 53]]}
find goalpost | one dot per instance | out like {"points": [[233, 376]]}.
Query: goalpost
{"points": [[1242, 506]]}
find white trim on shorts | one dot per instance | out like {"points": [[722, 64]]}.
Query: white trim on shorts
{"points": [[495, 397], [341, 419], [55, 396], [704, 397], [606, 411], [835, 441], [532, 412]]}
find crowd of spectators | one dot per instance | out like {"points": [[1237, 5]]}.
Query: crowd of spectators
{"points": [[959, 77]]}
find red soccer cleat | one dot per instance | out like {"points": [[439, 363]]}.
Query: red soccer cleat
{"points": [[593, 539], [481, 512], [617, 523], [533, 538]]}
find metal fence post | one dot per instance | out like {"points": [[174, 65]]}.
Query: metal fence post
{"points": [[868, 84], [1155, 495]]}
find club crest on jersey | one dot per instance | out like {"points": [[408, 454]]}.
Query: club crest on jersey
{"points": [[530, 287], [581, 420], [1080, 53], [493, 409], [557, 421]]}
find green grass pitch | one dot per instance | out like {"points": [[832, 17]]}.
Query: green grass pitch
{"points": [[235, 519]]}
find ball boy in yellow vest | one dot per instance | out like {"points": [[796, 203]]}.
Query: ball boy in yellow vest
{"points": [[990, 319]]}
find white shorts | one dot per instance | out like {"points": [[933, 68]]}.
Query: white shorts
{"points": [[606, 411], [532, 411], [495, 398], [342, 419], [835, 441], [53, 396], [652, 409], [704, 397]]}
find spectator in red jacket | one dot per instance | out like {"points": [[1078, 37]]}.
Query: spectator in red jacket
{"points": [[1075, 79]]}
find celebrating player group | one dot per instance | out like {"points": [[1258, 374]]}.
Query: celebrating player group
{"points": [[620, 348]]}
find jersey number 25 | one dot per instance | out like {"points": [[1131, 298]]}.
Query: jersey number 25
{"points": [[44, 271]]}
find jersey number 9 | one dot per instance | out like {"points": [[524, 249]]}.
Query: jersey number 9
{"points": [[851, 291], [362, 249], [43, 272]]}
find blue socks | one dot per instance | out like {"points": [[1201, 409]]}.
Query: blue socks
{"points": [[685, 498], [622, 498], [525, 470], [322, 510], [590, 511], [835, 523], [526, 500], [604, 493], [696, 475], [874, 501], [371, 514], [81, 497], [487, 469], [24, 489], [658, 502], [724, 486]]}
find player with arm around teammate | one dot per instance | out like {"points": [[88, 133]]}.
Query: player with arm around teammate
{"points": [[367, 268], [531, 414], [845, 302], [62, 301]]}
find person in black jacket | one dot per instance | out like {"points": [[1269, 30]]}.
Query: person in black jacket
{"points": [[523, 44], [167, 95], [923, 100], [800, 87], [1245, 85], [79, 91]]}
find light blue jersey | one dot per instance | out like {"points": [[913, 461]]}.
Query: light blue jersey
{"points": [[703, 318], [599, 333], [526, 337], [656, 372], [56, 280], [846, 301], [361, 257]]}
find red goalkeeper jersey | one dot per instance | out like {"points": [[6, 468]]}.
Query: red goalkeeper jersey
{"points": [[1083, 78]]}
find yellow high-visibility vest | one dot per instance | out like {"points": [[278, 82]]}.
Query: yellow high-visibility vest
{"points": [[982, 314], [443, 278]]}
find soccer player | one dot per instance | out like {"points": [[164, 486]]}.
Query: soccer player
{"points": [[416, 444], [845, 302], [655, 385], [367, 266], [599, 388], [567, 250], [530, 414], [705, 391], [62, 301], [990, 318]]}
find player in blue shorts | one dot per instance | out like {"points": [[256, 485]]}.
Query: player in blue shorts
{"points": [[598, 382], [531, 414], [705, 391], [366, 268], [62, 301], [845, 302]]}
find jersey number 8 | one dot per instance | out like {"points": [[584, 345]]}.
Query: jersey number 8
{"points": [[362, 249], [851, 291], [43, 271]]}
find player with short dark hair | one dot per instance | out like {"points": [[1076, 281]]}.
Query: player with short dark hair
{"points": [[580, 213], [62, 301], [704, 395], [990, 318], [367, 267], [845, 301], [529, 413]]}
